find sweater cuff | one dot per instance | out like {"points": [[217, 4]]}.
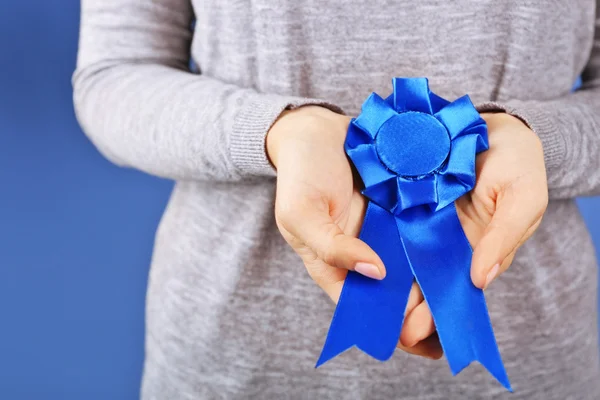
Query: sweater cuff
{"points": [[248, 140], [540, 121]]}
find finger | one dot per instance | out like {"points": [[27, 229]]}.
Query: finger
{"points": [[330, 280], [428, 348], [507, 262], [414, 298], [314, 227], [418, 325], [518, 210], [355, 220], [509, 259]]}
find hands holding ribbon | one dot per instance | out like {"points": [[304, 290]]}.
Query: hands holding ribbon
{"points": [[320, 211], [498, 215]]}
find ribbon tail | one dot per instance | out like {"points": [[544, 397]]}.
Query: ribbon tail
{"points": [[440, 257], [370, 313]]}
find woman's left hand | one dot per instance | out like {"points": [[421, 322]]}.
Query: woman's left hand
{"points": [[498, 215]]}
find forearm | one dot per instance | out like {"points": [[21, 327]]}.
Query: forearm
{"points": [[175, 124], [569, 129], [138, 102]]}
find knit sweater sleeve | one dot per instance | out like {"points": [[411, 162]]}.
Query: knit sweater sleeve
{"points": [[569, 128], [137, 100]]}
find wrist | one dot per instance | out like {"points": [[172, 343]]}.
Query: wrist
{"points": [[303, 121], [495, 118], [500, 123]]}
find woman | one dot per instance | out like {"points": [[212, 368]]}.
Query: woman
{"points": [[230, 311]]}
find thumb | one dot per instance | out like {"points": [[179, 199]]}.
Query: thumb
{"points": [[315, 228], [518, 213]]}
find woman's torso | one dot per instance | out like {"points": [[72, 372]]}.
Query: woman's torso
{"points": [[231, 311]]}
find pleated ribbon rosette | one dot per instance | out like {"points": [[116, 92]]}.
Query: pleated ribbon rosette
{"points": [[415, 153]]}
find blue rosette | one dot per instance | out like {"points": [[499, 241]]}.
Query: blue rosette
{"points": [[415, 153]]}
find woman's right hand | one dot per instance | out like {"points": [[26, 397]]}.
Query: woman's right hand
{"points": [[319, 211]]}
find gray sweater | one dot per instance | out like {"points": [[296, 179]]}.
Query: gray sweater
{"points": [[231, 312]]}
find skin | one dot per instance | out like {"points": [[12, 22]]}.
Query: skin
{"points": [[319, 210]]}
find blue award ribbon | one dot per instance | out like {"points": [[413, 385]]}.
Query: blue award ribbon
{"points": [[415, 153]]}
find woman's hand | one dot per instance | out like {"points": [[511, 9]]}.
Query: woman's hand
{"points": [[500, 213], [318, 210]]}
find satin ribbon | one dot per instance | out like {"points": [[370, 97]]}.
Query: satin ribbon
{"points": [[415, 153]]}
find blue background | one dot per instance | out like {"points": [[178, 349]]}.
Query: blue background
{"points": [[76, 232]]}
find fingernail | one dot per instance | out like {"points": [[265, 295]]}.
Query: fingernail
{"points": [[491, 275], [368, 270]]}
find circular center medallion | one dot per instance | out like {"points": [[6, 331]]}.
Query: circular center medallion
{"points": [[412, 144]]}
